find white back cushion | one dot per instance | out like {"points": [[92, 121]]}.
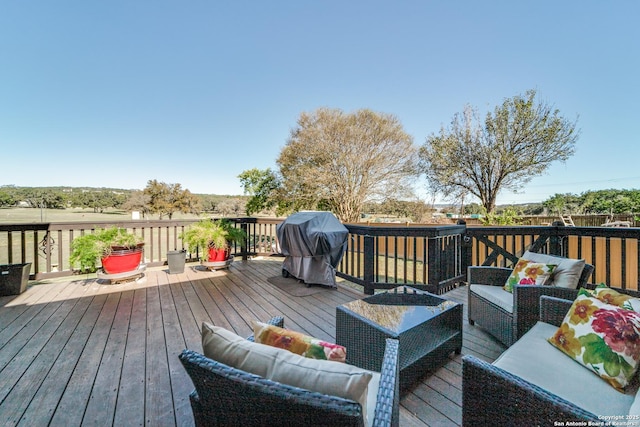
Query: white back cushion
{"points": [[567, 273], [322, 376]]}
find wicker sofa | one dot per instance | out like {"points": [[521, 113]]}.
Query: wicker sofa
{"points": [[226, 396], [533, 383], [508, 316]]}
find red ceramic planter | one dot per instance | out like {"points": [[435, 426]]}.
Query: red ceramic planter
{"points": [[120, 261], [216, 254]]}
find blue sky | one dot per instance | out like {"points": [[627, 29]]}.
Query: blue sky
{"points": [[116, 93]]}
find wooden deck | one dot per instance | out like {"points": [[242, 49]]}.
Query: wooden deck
{"points": [[78, 352]]}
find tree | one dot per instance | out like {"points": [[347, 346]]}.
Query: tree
{"points": [[608, 202], [98, 199], [338, 161], [166, 199], [7, 199], [182, 201], [261, 185], [611, 201], [560, 204], [473, 208], [230, 206], [519, 140], [43, 198], [138, 201], [507, 216]]}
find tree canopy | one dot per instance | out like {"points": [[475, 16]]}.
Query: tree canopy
{"points": [[168, 199], [260, 185], [165, 199], [519, 140], [595, 202], [338, 161]]}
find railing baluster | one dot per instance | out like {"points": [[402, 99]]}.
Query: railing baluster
{"points": [[382, 259], [369, 258]]}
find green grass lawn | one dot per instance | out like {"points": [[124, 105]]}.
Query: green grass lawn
{"points": [[31, 215]]}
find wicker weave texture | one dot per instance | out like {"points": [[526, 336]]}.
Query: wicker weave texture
{"points": [[506, 326], [387, 412], [493, 397], [225, 396], [491, 317], [364, 339]]}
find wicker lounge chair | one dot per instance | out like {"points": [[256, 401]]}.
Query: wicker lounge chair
{"points": [[492, 394], [510, 321], [225, 396]]}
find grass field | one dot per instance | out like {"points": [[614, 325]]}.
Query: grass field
{"points": [[31, 215]]}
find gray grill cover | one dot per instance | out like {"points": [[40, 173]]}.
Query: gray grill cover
{"points": [[313, 244]]}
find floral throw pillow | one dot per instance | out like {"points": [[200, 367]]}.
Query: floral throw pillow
{"points": [[613, 297], [603, 337], [298, 343], [529, 273]]}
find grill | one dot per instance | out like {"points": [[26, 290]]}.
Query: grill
{"points": [[313, 244]]}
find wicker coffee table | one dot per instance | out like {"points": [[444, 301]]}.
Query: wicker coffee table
{"points": [[427, 326]]}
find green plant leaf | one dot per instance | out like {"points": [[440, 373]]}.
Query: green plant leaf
{"points": [[598, 352]]}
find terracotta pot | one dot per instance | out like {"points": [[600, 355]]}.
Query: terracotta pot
{"points": [[122, 260]]}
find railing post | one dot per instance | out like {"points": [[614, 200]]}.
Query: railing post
{"points": [[244, 245], [555, 244], [466, 250], [369, 262], [433, 264]]}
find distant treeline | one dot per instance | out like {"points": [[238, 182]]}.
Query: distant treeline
{"points": [[164, 199], [157, 197]]}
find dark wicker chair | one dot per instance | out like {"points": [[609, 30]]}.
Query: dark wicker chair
{"points": [[507, 326], [493, 396], [225, 396]]}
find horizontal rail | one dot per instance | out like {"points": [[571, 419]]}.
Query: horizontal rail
{"points": [[384, 257], [47, 246], [614, 252], [430, 257]]}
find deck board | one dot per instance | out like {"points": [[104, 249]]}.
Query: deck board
{"points": [[76, 351], [131, 390]]}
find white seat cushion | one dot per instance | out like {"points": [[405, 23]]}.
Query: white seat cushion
{"points": [[534, 359], [495, 294]]}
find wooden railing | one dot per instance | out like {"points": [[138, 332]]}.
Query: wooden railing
{"points": [[431, 257], [384, 257], [614, 252], [47, 246], [436, 258]]}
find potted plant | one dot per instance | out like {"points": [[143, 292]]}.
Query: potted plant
{"points": [[214, 238], [118, 250], [234, 235]]}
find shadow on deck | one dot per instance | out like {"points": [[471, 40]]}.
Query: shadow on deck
{"points": [[79, 352]]}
